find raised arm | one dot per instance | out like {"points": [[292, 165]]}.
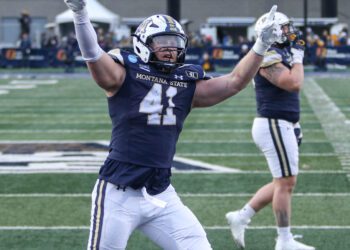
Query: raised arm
{"points": [[215, 90], [285, 78], [107, 74]]}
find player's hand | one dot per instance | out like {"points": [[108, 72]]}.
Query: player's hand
{"points": [[297, 51], [75, 5], [269, 30]]}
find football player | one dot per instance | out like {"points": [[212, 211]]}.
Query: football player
{"points": [[150, 92], [276, 132]]}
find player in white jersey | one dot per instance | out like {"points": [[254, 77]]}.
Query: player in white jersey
{"points": [[150, 92], [277, 133]]}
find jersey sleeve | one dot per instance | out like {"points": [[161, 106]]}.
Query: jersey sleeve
{"points": [[117, 55], [194, 72], [271, 57]]}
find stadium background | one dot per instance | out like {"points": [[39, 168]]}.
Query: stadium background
{"points": [[54, 129], [195, 11]]}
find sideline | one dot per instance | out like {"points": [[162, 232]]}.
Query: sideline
{"points": [[332, 119]]}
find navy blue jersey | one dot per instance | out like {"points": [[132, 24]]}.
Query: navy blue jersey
{"points": [[272, 101], [149, 110]]}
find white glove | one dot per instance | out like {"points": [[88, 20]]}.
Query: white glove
{"points": [[297, 51], [76, 5], [268, 33], [297, 55]]}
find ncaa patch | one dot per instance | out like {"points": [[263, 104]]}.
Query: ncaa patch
{"points": [[192, 74], [132, 58]]}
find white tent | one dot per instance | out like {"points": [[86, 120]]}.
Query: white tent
{"points": [[97, 13]]}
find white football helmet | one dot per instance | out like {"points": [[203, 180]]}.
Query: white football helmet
{"points": [[162, 28], [282, 20]]}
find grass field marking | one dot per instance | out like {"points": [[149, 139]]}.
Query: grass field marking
{"points": [[106, 143], [235, 141], [35, 82], [331, 118], [257, 172], [206, 165], [45, 122], [52, 131], [335, 227], [246, 154], [82, 195], [95, 169], [64, 131], [271, 227], [195, 130], [12, 87], [102, 142], [3, 92], [32, 228]]}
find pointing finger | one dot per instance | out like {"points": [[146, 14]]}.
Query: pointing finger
{"points": [[272, 13]]}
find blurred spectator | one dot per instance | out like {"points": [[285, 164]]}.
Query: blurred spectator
{"points": [[50, 44], [69, 45], [206, 62], [309, 37], [195, 39], [227, 40], [25, 21], [125, 42], [25, 46], [321, 53], [207, 41], [244, 50], [326, 38], [343, 37]]}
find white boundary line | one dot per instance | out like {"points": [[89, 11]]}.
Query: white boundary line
{"points": [[33, 228], [25, 131], [82, 195], [332, 119]]}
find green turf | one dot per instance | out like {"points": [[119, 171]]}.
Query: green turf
{"points": [[77, 110], [184, 183], [220, 239]]}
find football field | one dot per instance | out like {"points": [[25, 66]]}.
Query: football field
{"points": [[53, 137]]}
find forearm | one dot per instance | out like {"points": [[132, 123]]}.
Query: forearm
{"points": [[86, 37], [246, 69], [297, 75]]}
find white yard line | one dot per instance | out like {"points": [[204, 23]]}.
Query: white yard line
{"points": [[46, 131], [321, 227], [53, 142], [235, 141], [36, 82], [246, 154], [238, 141], [43, 228], [82, 195]]}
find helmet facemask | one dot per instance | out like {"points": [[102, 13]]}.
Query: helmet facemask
{"points": [[167, 50], [290, 35], [161, 41]]}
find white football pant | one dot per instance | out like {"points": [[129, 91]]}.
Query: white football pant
{"points": [[163, 218], [276, 139]]}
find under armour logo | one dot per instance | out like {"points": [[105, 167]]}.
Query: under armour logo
{"points": [[179, 77]]}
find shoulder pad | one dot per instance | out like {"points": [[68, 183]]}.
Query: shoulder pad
{"points": [[116, 55], [271, 57]]}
